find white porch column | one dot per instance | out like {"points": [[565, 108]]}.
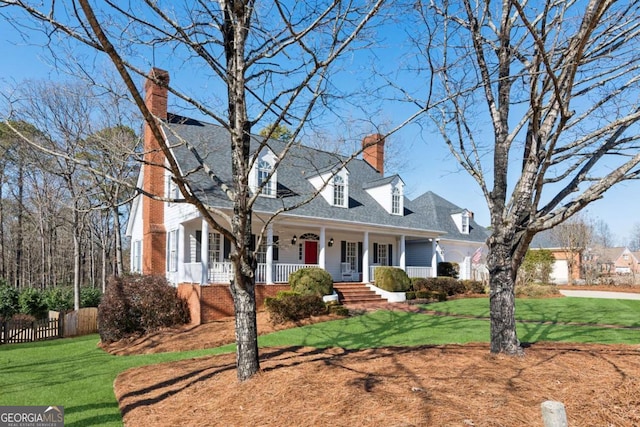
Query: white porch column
{"points": [[182, 242], [204, 253], [434, 258], [365, 258], [269, 254], [402, 260], [322, 255]]}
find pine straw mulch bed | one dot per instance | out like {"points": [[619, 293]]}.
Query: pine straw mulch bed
{"points": [[450, 385]]}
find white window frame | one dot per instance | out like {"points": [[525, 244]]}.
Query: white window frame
{"points": [[339, 191], [383, 254], [465, 223], [351, 255], [215, 248], [262, 172], [395, 201], [172, 250], [136, 258]]}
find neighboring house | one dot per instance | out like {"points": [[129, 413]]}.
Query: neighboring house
{"points": [[360, 220], [619, 260], [560, 273]]}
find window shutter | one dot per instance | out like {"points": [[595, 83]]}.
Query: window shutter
{"points": [[375, 253], [359, 257], [252, 246], [390, 261], [276, 249], [343, 251], [226, 249]]}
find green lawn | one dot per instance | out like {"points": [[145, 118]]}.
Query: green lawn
{"points": [[76, 374], [560, 310]]}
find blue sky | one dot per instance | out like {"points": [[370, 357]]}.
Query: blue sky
{"points": [[426, 164]]}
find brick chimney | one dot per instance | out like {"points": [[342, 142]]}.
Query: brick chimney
{"points": [[154, 241], [373, 151]]}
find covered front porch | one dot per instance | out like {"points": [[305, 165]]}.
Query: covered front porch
{"points": [[349, 255]]}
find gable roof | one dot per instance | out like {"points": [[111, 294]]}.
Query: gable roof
{"points": [[441, 209], [213, 144]]}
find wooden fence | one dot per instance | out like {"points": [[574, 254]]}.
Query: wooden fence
{"points": [[58, 325]]}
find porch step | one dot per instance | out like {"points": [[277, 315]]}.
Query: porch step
{"points": [[350, 293]]}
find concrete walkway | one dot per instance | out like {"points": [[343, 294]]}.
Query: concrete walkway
{"points": [[600, 294]]}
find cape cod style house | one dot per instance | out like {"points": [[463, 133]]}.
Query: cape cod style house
{"points": [[360, 220]]}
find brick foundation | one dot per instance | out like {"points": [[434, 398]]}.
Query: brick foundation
{"points": [[213, 302]]}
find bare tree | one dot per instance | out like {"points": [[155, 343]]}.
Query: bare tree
{"points": [[574, 237], [274, 61], [602, 234], [538, 102], [634, 239]]}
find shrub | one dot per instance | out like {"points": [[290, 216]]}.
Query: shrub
{"points": [[536, 267], [90, 297], [448, 269], [410, 295], [32, 302], [534, 290], [311, 281], [59, 298], [392, 279], [293, 306], [446, 285], [473, 286], [138, 305], [8, 301]]}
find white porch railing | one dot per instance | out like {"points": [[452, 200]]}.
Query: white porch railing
{"points": [[419, 272], [282, 271], [222, 272]]}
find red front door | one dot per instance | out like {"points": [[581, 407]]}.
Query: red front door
{"points": [[310, 252]]}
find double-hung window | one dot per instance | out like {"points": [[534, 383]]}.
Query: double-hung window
{"points": [[395, 201], [264, 169], [172, 250], [338, 190]]}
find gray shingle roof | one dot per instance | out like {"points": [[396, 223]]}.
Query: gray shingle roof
{"points": [[428, 212]]}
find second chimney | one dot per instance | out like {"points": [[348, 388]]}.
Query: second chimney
{"points": [[373, 151]]}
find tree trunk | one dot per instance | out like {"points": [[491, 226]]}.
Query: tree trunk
{"points": [[244, 303], [502, 298]]}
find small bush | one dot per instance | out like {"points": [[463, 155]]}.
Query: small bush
{"points": [[59, 298], [338, 310], [90, 297], [8, 301], [392, 279], [292, 306], [410, 295], [32, 302], [533, 290], [473, 286], [448, 269], [447, 285], [138, 305], [311, 281]]}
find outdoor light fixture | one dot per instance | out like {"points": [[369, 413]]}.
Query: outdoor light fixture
{"points": [[331, 242], [294, 239]]}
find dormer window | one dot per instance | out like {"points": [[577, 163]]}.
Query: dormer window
{"points": [[465, 222], [395, 201], [264, 169], [338, 190], [263, 175]]}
